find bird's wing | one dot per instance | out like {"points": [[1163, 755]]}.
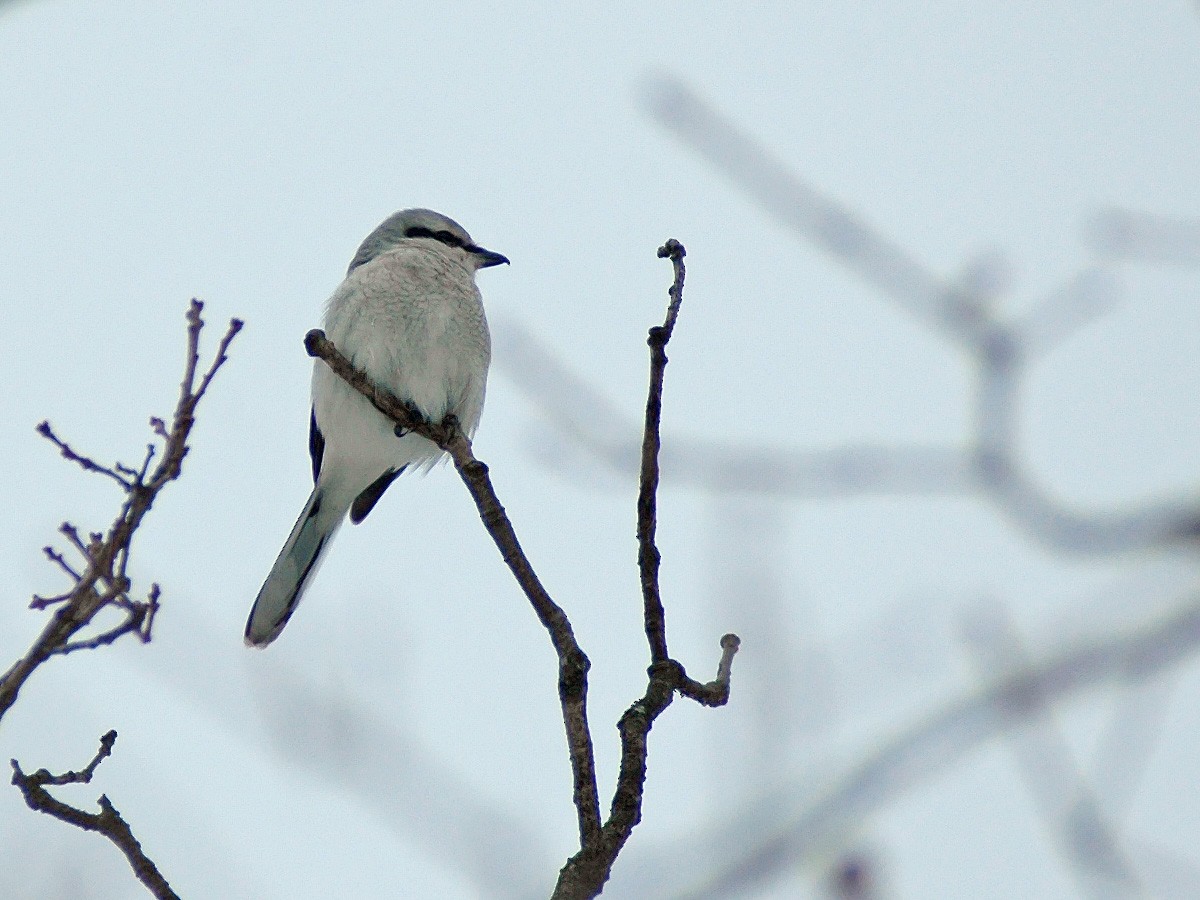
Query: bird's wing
{"points": [[316, 445]]}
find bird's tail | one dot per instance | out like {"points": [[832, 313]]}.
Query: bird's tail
{"points": [[294, 569]]}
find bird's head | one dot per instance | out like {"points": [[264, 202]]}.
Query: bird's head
{"points": [[425, 225]]}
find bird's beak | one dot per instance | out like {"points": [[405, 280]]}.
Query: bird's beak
{"points": [[488, 258]]}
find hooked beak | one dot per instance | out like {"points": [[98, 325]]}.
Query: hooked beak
{"points": [[487, 257]]}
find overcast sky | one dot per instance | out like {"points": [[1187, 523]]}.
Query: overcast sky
{"points": [[402, 738]]}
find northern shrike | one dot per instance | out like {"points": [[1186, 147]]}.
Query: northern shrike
{"points": [[410, 316]]}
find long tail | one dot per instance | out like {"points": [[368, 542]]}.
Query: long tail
{"points": [[293, 570]]}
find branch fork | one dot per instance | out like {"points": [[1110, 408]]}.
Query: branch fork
{"points": [[107, 822]]}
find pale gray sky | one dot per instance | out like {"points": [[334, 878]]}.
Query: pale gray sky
{"points": [[239, 153]]}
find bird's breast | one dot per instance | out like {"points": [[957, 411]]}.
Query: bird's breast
{"points": [[414, 322]]}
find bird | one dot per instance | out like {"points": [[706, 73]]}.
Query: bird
{"points": [[409, 314]]}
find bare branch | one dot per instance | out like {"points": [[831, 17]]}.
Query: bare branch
{"points": [[573, 664], [988, 460], [86, 463], [585, 874], [1147, 236], [649, 558], [107, 822], [1084, 298], [102, 582]]}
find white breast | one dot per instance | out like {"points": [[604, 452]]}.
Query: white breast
{"points": [[413, 320]]}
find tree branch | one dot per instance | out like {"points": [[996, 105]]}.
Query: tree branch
{"points": [[649, 558], [102, 582], [107, 822], [573, 664], [584, 874]]}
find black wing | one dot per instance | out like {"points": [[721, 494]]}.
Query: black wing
{"points": [[365, 502], [316, 445]]}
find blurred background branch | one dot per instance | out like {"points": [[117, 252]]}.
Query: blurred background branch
{"points": [[587, 430], [803, 828], [987, 464]]}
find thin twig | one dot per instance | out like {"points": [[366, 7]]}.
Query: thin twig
{"points": [[822, 220], [715, 692], [86, 463], [219, 359], [59, 560], [107, 822], [71, 533], [649, 558]]}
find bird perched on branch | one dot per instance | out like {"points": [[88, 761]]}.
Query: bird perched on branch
{"points": [[410, 316]]}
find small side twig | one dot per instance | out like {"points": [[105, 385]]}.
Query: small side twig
{"points": [[139, 621], [59, 560], [86, 463], [107, 822], [715, 692]]}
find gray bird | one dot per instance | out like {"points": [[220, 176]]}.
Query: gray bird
{"points": [[410, 316]]}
